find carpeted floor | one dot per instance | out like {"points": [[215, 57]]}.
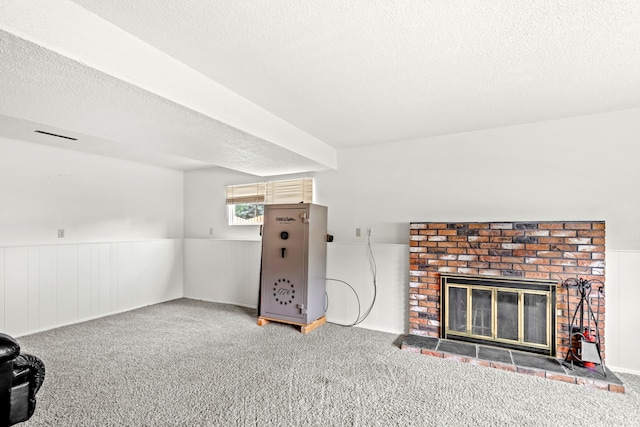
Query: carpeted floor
{"points": [[194, 363]]}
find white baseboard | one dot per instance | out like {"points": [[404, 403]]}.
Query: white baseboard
{"points": [[255, 307], [624, 370], [86, 319]]}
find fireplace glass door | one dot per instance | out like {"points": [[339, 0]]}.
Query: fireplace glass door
{"points": [[458, 312], [505, 315], [535, 318], [481, 315], [507, 312]]}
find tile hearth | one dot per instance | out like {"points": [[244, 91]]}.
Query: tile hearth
{"points": [[513, 361]]}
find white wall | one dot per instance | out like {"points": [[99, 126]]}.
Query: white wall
{"points": [[122, 248], [94, 198], [205, 209], [574, 169]]}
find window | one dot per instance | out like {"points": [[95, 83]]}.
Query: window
{"points": [[246, 202]]}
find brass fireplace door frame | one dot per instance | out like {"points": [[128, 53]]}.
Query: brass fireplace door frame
{"points": [[521, 287]]}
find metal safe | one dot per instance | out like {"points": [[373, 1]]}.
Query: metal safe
{"points": [[294, 259]]}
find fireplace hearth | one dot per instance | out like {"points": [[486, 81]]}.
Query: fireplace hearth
{"points": [[513, 361]]}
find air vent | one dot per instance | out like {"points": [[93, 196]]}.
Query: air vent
{"points": [[56, 135]]}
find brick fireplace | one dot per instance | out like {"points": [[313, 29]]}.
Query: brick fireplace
{"points": [[553, 251]]}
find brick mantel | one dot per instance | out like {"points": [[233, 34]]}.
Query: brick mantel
{"points": [[537, 250]]}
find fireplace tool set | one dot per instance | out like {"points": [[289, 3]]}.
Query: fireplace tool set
{"points": [[584, 325]]}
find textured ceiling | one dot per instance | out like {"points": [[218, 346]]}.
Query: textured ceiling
{"points": [[286, 82], [109, 116]]}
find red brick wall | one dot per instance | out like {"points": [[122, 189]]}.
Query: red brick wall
{"points": [[536, 250]]}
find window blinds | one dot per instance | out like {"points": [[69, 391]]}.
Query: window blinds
{"points": [[290, 191], [245, 193]]}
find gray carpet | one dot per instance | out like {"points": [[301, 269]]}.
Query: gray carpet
{"points": [[193, 363]]}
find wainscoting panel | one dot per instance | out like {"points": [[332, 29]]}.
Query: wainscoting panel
{"points": [[43, 287], [623, 316], [228, 271], [104, 278], [128, 286], [34, 284], [353, 264], [47, 287], [113, 276], [160, 270], [84, 281], [67, 284], [16, 289], [2, 300]]}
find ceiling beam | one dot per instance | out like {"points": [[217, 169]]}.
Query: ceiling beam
{"points": [[73, 32]]}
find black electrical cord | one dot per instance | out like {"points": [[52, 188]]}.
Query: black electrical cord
{"points": [[357, 299], [375, 289], [375, 279]]}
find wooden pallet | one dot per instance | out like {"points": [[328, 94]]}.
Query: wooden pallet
{"points": [[304, 328]]}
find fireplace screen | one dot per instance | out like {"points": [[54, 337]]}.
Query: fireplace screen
{"points": [[513, 313]]}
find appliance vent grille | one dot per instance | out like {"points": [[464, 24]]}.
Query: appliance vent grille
{"points": [[56, 135]]}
